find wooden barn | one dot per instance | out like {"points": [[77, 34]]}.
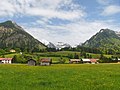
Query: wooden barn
{"points": [[45, 61], [6, 60], [74, 61], [31, 62]]}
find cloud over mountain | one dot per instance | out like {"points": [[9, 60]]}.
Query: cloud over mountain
{"points": [[42, 8], [71, 21], [111, 10]]}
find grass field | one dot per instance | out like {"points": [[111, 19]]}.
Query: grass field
{"points": [[55, 56], [60, 77]]}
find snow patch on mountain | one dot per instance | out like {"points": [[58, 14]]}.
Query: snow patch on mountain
{"points": [[61, 45]]}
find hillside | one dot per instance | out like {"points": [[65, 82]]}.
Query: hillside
{"points": [[106, 40], [14, 36]]}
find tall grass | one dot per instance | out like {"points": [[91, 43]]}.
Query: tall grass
{"points": [[60, 77]]}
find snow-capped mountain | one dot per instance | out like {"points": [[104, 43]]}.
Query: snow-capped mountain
{"points": [[61, 45], [48, 44], [51, 45], [118, 33], [45, 42], [58, 45]]}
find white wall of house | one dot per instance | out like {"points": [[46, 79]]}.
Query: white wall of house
{"points": [[92, 62], [45, 63], [86, 60], [6, 61]]}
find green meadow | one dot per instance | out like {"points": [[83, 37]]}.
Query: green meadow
{"points": [[60, 77], [55, 56]]}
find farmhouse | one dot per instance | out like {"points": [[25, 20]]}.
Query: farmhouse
{"points": [[118, 60], [74, 61], [31, 62], [6, 60], [92, 61], [45, 61], [86, 61], [12, 50]]}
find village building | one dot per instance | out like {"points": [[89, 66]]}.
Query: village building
{"points": [[31, 62], [45, 61], [6, 60], [118, 60], [12, 50], [92, 61], [74, 61], [86, 61]]}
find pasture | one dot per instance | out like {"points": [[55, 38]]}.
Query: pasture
{"points": [[55, 56], [60, 77]]}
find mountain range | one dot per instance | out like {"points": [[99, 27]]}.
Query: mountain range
{"points": [[106, 40], [58, 45], [13, 36]]}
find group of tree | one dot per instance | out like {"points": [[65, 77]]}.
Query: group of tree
{"points": [[81, 48], [104, 59], [85, 55], [61, 60], [21, 58], [78, 49], [80, 55]]}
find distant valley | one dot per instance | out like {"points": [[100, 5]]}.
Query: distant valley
{"points": [[14, 36]]}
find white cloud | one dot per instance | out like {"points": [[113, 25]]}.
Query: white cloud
{"points": [[72, 33], [71, 15], [6, 8], [43, 8], [104, 2], [78, 30], [111, 10]]}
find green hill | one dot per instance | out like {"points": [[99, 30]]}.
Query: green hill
{"points": [[106, 40], [14, 36]]}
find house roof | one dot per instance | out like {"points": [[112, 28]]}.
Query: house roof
{"points": [[5, 59], [12, 50], [31, 60], [93, 60], [45, 60], [74, 59], [86, 60]]}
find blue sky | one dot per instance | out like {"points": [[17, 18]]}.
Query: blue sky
{"points": [[70, 21]]}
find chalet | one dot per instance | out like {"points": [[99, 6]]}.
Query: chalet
{"points": [[31, 62], [86, 61], [74, 61], [12, 51], [6, 60], [118, 60], [93, 61], [45, 61]]}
